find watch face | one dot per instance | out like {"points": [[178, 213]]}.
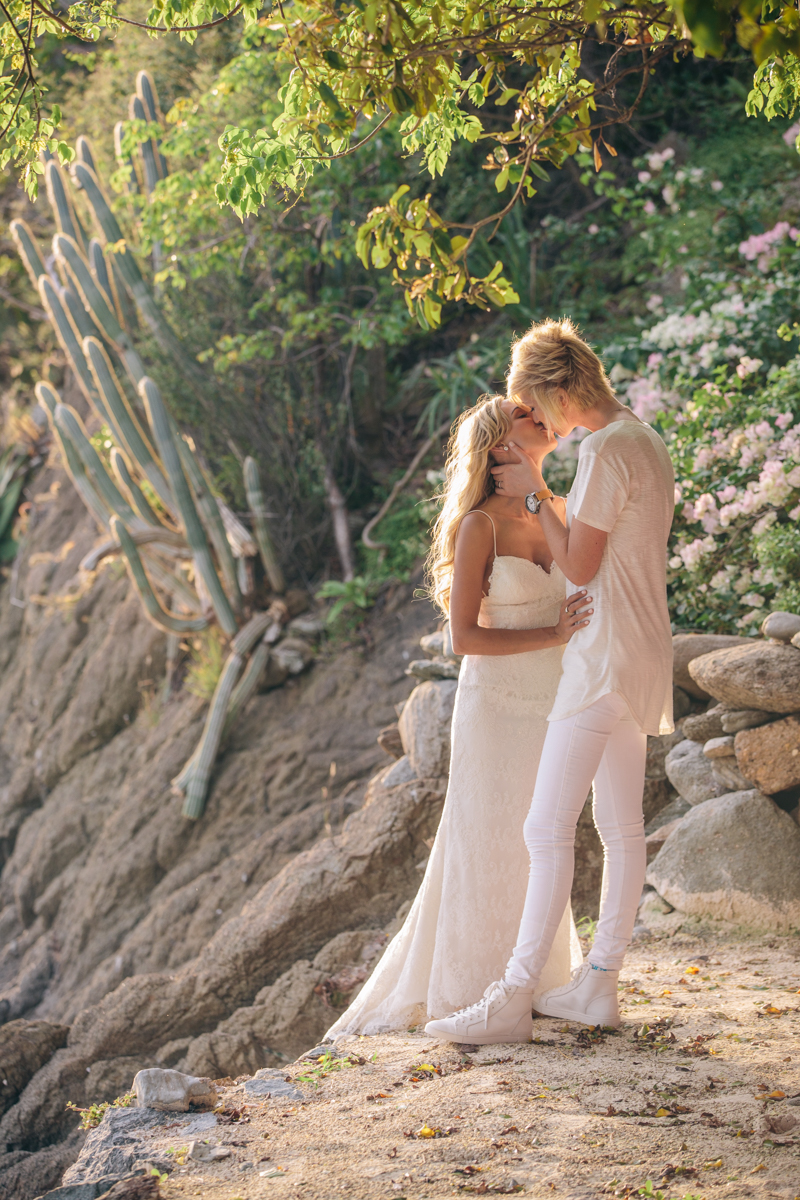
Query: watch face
{"points": [[531, 503]]}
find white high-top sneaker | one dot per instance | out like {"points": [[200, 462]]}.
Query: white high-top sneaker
{"points": [[590, 998], [503, 1015]]}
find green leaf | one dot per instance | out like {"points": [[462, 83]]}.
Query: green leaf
{"points": [[334, 59], [401, 99]]}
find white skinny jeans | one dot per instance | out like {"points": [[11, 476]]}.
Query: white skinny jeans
{"points": [[604, 744]]}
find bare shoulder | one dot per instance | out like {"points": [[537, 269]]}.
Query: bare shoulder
{"points": [[475, 534], [476, 529]]}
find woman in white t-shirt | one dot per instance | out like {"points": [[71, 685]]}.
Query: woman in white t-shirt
{"points": [[616, 685]]}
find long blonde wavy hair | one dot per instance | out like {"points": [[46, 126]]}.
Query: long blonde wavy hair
{"points": [[468, 482]]}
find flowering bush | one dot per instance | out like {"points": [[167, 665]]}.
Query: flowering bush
{"points": [[736, 542], [711, 372]]}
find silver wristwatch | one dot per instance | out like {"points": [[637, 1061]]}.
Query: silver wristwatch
{"points": [[533, 501]]}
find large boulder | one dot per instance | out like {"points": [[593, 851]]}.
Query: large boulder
{"points": [[688, 646], [762, 675], [735, 858], [425, 727], [769, 756], [691, 773]]}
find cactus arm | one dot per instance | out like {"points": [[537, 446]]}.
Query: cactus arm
{"points": [[96, 303], [147, 149], [247, 685], [146, 91], [132, 276], [160, 539], [71, 426], [255, 498], [249, 634], [225, 703], [245, 576], [130, 488], [210, 516], [164, 620], [49, 400], [28, 250], [124, 422], [99, 269], [181, 780], [241, 539], [83, 149], [61, 204], [68, 340], [79, 317], [206, 753], [170, 580], [132, 182], [170, 457]]}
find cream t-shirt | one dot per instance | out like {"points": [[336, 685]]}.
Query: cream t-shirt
{"points": [[624, 485]]}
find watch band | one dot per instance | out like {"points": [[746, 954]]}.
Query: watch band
{"points": [[533, 501]]}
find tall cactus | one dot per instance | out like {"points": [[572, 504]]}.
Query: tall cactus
{"points": [[184, 550]]}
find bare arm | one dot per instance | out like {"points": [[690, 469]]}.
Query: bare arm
{"points": [[577, 550], [474, 548]]}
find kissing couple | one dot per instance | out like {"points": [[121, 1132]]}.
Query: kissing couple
{"points": [[560, 610]]}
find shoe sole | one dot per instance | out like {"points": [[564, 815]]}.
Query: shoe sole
{"points": [[568, 1014], [488, 1039]]}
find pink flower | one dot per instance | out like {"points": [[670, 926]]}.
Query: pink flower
{"points": [[645, 177], [594, 228], [747, 366], [790, 136], [760, 246], [717, 185], [784, 420], [727, 493], [649, 208], [645, 397], [692, 553]]}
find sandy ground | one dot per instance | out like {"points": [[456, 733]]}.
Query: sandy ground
{"points": [[698, 1093]]}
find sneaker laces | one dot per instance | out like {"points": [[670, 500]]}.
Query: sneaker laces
{"points": [[493, 991]]}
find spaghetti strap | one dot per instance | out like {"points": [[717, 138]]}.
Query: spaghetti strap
{"points": [[494, 531]]}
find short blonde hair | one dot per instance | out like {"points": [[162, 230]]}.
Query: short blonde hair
{"points": [[468, 482], [553, 355]]}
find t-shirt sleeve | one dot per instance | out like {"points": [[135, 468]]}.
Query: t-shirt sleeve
{"points": [[600, 493]]}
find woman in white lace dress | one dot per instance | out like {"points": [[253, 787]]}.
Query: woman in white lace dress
{"points": [[492, 573]]}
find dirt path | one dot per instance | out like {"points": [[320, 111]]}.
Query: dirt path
{"points": [[694, 1093]]}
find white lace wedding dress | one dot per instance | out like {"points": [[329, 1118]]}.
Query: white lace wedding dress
{"points": [[462, 926]]}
